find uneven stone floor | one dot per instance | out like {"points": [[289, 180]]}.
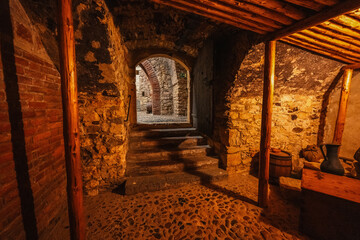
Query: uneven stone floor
{"points": [[224, 210], [143, 117]]}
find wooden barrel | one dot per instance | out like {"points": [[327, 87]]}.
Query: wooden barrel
{"points": [[280, 163]]}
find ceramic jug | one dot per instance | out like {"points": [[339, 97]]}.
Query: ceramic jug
{"points": [[331, 163]]}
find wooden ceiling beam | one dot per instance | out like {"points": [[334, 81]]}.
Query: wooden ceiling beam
{"points": [[333, 34], [319, 47], [355, 14], [307, 4], [328, 2], [326, 44], [352, 66], [217, 15], [348, 21], [334, 11], [330, 40], [268, 13], [340, 28], [316, 49], [281, 7], [213, 17], [234, 12]]}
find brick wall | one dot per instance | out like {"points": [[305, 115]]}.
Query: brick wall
{"points": [[143, 91], [32, 165], [149, 70]]}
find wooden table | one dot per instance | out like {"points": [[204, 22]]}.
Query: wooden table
{"points": [[330, 207]]}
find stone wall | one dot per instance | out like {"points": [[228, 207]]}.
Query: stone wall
{"points": [[351, 136], [104, 79], [302, 79], [143, 91], [162, 69], [180, 89], [32, 164]]}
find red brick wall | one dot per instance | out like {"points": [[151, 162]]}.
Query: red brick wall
{"points": [[36, 115], [150, 72]]}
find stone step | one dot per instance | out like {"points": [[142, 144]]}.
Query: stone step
{"points": [[154, 167], [167, 153], [152, 183], [168, 132], [180, 142]]}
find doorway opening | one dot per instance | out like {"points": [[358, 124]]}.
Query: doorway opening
{"points": [[162, 91]]}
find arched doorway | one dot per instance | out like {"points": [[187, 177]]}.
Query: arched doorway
{"points": [[162, 91]]}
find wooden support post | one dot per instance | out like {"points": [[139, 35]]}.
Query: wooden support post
{"points": [[344, 97], [71, 120], [268, 92]]}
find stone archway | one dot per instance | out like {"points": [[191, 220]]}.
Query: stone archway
{"points": [[150, 73], [164, 81]]}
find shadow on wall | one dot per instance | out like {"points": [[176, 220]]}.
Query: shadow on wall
{"points": [[324, 107], [16, 123]]}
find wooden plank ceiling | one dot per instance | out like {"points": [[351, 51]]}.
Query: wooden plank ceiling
{"points": [[327, 27]]}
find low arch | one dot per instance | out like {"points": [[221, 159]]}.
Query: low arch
{"points": [[154, 82]]}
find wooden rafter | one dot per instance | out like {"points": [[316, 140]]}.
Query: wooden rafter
{"points": [[326, 45], [349, 21], [334, 34], [231, 10], [229, 14], [352, 66], [334, 31], [331, 40], [307, 4], [328, 2], [329, 13], [226, 20], [267, 13], [343, 29], [326, 52], [280, 7]]}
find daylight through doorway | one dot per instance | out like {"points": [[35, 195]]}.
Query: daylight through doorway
{"points": [[162, 91]]}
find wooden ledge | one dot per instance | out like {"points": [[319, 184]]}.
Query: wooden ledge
{"points": [[332, 185]]}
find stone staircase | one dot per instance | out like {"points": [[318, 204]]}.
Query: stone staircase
{"points": [[162, 158]]}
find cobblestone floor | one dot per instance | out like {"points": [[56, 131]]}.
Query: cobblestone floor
{"points": [[143, 117], [223, 210]]}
